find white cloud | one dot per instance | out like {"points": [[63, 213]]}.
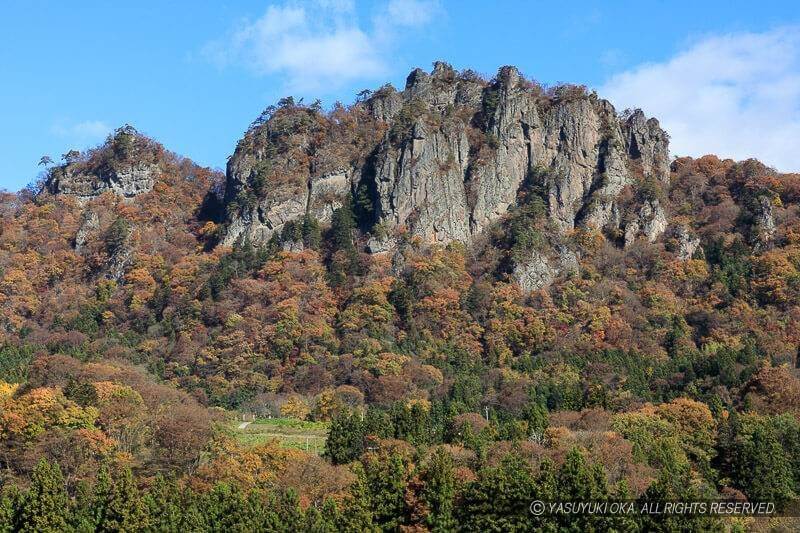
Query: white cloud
{"points": [[411, 12], [734, 95], [81, 132], [319, 46]]}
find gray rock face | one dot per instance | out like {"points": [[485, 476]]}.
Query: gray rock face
{"points": [[89, 223], [385, 104], [377, 245], [293, 246], [421, 184], [326, 194], [587, 153], [534, 273], [764, 223], [127, 164], [258, 222], [119, 263], [456, 152], [538, 271], [647, 144], [650, 222], [128, 180], [297, 162], [687, 243]]}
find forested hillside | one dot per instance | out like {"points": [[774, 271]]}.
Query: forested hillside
{"points": [[489, 291]]}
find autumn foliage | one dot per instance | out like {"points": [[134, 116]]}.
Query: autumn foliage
{"points": [[127, 341]]}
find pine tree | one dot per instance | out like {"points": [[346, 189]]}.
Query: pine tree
{"points": [[674, 484], [322, 520], [227, 508], [97, 500], [439, 492], [386, 479], [312, 235], [165, 506], [125, 509], [536, 415], [10, 502], [764, 470], [345, 441], [46, 506], [345, 260], [84, 518], [343, 223], [578, 481], [357, 512], [377, 422], [287, 506], [500, 499]]}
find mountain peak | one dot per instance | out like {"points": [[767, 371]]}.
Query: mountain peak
{"points": [[447, 157], [128, 164]]}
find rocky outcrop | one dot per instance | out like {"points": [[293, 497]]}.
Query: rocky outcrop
{"points": [[649, 222], [685, 243], [326, 194], [421, 183], [582, 153], [128, 164], [257, 222], [537, 270], [379, 245], [90, 222], [453, 154], [119, 247], [534, 273], [293, 246], [763, 222], [126, 180], [294, 161], [647, 144], [119, 263]]}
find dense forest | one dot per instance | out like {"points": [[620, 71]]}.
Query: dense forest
{"points": [[133, 333]]}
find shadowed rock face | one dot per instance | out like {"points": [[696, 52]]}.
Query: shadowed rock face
{"points": [[296, 163], [448, 158]]}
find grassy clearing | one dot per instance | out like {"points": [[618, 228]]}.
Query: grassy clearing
{"points": [[289, 432]]}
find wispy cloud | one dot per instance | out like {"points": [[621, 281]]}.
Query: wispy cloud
{"points": [[411, 12], [321, 46], [81, 132], [734, 95]]}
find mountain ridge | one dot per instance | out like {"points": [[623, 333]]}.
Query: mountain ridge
{"points": [[464, 293], [446, 159], [451, 154]]}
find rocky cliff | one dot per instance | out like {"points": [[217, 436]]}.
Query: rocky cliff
{"points": [[443, 160], [446, 157], [134, 199], [127, 165]]}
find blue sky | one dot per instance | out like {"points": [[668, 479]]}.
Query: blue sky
{"points": [[722, 77]]}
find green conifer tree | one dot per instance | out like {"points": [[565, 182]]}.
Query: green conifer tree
{"points": [[345, 441], [46, 506], [357, 511], [439, 492], [165, 506], [500, 499], [125, 509]]}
